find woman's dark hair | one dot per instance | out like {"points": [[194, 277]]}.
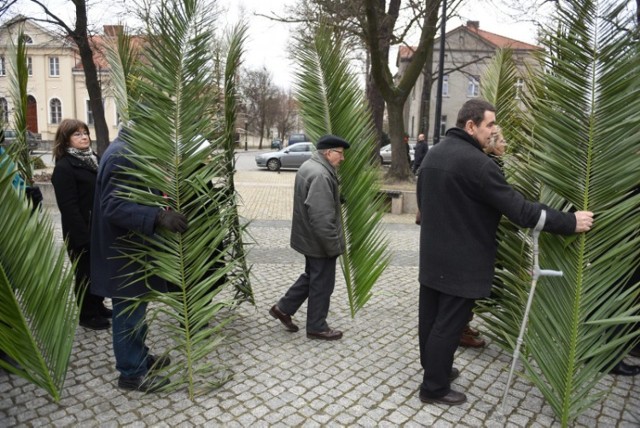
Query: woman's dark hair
{"points": [[63, 135], [473, 110]]}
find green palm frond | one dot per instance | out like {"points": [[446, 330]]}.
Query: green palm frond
{"points": [[123, 58], [585, 154], [18, 150], [174, 105], [331, 102], [38, 310]]}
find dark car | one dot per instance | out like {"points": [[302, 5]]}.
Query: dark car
{"points": [[276, 144], [297, 138], [10, 137], [289, 157]]}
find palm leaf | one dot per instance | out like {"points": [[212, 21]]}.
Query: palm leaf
{"points": [[18, 150], [123, 58], [585, 155], [38, 310], [174, 105], [331, 102]]}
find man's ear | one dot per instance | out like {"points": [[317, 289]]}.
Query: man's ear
{"points": [[470, 127]]}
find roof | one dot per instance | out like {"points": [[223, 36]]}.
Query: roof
{"points": [[497, 41]]}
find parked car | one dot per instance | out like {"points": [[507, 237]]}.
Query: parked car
{"points": [[10, 137], [385, 153], [297, 138], [276, 144], [289, 157]]}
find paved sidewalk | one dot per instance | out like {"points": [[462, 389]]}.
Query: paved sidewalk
{"points": [[369, 378]]}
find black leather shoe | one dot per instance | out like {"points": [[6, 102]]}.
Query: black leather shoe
{"points": [[105, 312], [454, 374], [157, 363], [453, 398], [624, 369], [142, 383], [325, 335], [95, 323], [284, 318]]}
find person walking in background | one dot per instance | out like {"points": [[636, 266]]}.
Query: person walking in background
{"points": [[120, 278], [462, 194], [316, 232], [419, 152], [74, 182]]}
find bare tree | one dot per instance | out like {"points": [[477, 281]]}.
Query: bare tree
{"points": [[285, 112], [80, 35], [258, 93]]}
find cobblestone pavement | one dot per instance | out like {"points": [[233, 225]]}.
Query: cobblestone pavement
{"points": [[369, 378]]}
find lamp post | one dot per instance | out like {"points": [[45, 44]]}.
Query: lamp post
{"points": [[438, 114], [246, 134]]}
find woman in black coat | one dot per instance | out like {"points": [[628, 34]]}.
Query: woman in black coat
{"points": [[74, 182]]}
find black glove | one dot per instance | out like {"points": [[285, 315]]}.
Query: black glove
{"points": [[171, 220], [35, 195]]}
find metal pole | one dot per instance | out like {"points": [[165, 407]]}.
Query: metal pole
{"points": [[438, 114], [246, 135]]}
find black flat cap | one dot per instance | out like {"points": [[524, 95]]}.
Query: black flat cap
{"points": [[331, 142]]}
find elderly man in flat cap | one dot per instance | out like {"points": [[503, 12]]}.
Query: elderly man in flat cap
{"points": [[316, 232]]}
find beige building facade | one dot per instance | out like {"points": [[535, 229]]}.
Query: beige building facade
{"points": [[56, 87], [468, 52]]}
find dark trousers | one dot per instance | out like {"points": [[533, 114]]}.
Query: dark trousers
{"points": [[91, 305], [442, 318], [129, 333], [316, 284]]}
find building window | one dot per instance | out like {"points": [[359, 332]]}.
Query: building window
{"points": [[54, 66], [27, 39], [445, 85], [55, 111], [90, 120], [30, 66], [443, 125], [519, 88], [3, 66], [473, 88], [4, 110]]}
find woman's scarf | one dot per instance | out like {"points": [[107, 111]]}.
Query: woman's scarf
{"points": [[87, 156]]}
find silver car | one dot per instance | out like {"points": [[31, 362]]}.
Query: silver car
{"points": [[290, 157], [385, 153]]}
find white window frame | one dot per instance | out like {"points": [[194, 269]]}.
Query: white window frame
{"points": [[473, 86], [55, 117], [443, 125], [90, 119], [54, 66], [4, 110], [519, 87], [3, 66], [30, 66], [445, 85]]}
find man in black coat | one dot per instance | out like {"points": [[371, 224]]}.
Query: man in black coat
{"points": [[461, 196], [120, 278], [419, 153]]}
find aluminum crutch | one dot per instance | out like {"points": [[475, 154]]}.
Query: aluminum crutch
{"points": [[537, 273]]}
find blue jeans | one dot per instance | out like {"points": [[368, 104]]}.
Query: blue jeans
{"points": [[129, 333]]}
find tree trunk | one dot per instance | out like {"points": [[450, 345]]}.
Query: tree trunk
{"points": [[425, 100], [376, 104], [81, 38], [399, 169]]}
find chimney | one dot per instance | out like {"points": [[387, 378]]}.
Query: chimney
{"points": [[473, 25], [112, 30]]}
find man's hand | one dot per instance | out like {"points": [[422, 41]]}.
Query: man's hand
{"points": [[172, 221], [584, 220]]}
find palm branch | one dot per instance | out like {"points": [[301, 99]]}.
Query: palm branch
{"points": [[38, 310], [585, 156], [123, 58], [331, 102], [18, 150], [173, 106]]}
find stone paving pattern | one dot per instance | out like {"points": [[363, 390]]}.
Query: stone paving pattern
{"points": [[369, 378]]}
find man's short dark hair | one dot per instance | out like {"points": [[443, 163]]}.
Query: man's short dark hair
{"points": [[473, 110]]}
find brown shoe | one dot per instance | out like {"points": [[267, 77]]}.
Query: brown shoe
{"points": [[284, 318], [468, 341], [325, 335], [471, 331], [453, 398]]}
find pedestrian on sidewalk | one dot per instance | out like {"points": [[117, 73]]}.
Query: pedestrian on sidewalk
{"points": [[116, 276], [74, 183], [419, 153], [316, 232], [462, 194]]}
